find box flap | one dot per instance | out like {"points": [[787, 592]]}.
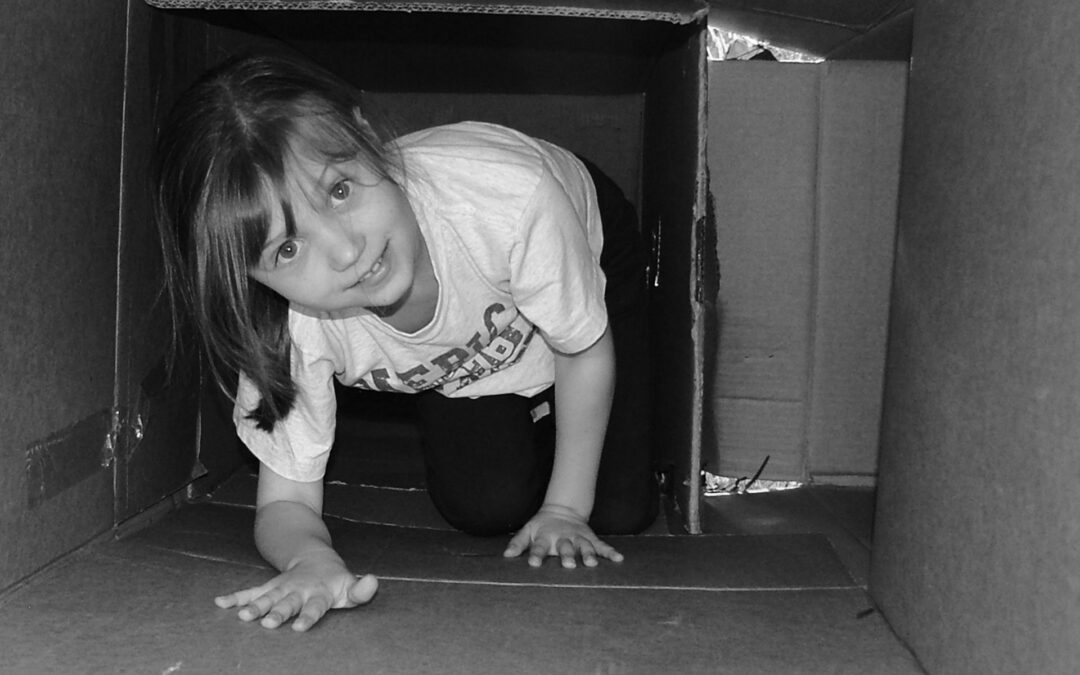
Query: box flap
{"points": [[674, 11]]}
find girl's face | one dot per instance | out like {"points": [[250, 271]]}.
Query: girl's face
{"points": [[353, 244]]}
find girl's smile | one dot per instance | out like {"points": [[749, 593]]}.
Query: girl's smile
{"points": [[375, 273]]}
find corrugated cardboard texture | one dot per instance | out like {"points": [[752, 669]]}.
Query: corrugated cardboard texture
{"points": [[977, 542], [804, 169], [61, 67], [676, 11]]}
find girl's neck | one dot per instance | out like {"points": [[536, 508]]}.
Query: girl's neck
{"points": [[417, 308]]}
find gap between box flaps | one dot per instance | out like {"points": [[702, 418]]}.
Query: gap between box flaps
{"points": [[673, 11]]}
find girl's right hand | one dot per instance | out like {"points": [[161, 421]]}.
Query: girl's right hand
{"points": [[307, 591]]}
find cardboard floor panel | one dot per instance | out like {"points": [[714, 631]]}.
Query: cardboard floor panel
{"points": [[115, 608], [839, 515], [401, 506], [853, 507], [795, 561]]}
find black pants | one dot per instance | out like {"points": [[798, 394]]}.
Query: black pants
{"points": [[488, 462]]}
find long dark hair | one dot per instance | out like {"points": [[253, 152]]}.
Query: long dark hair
{"points": [[219, 175]]}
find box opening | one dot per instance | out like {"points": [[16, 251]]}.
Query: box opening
{"points": [[626, 94]]}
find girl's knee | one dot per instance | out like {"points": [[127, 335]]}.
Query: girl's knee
{"points": [[629, 512], [627, 520], [486, 515]]}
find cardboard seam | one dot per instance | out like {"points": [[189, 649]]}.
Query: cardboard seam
{"points": [[809, 409], [118, 352], [629, 587]]}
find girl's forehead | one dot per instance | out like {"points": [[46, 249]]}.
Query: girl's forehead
{"points": [[308, 175], [303, 162]]}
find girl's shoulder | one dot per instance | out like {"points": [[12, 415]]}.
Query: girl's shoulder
{"points": [[481, 151], [471, 137], [472, 165], [318, 337]]}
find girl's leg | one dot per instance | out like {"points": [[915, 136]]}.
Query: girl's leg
{"points": [[488, 463]]}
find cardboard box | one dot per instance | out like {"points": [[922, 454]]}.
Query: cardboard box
{"points": [[620, 82]]}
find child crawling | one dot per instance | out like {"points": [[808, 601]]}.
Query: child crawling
{"points": [[461, 263]]}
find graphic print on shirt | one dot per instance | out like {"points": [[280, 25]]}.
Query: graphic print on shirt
{"points": [[500, 343]]}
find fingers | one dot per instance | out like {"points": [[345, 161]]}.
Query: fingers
{"points": [[313, 610], [518, 544], [567, 553], [282, 610], [608, 552], [241, 598], [256, 603], [275, 603], [588, 553], [361, 591], [567, 549], [537, 552]]}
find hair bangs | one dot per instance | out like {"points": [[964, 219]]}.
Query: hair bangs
{"points": [[336, 135], [231, 228]]}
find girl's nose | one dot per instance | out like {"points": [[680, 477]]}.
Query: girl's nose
{"points": [[343, 247]]}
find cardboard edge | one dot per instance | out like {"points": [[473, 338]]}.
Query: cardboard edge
{"points": [[689, 11], [700, 310]]}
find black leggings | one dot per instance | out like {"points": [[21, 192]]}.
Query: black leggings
{"points": [[488, 462]]}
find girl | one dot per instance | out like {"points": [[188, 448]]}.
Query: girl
{"points": [[461, 263]]}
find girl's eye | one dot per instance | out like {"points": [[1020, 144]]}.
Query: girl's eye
{"points": [[286, 252], [340, 191]]}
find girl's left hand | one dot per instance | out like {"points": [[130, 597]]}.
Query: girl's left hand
{"points": [[558, 531]]}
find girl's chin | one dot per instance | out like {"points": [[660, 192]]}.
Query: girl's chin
{"points": [[386, 299]]}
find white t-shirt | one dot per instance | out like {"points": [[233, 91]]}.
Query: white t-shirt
{"points": [[513, 230]]}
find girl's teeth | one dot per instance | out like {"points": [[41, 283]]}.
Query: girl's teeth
{"points": [[374, 269]]}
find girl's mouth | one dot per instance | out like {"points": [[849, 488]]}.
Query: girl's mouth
{"points": [[374, 271]]}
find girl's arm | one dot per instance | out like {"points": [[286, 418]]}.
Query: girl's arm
{"points": [[291, 535], [583, 388]]}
